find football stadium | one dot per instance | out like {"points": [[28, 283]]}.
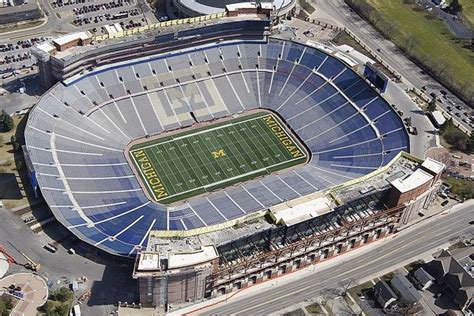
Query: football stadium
{"points": [[217, 155]]}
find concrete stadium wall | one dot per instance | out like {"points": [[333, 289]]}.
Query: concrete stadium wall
{"points": [[297, 261]]}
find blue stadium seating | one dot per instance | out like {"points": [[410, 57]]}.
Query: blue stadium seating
{"points": [[78, 130]]}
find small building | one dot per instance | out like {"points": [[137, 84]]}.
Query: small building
{"points": [[113, 29], [404, 288], [423, 279], [71, 40], [437, 118], [384, 295]]}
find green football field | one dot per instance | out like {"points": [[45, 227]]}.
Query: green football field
{"points": [[177, 167]]}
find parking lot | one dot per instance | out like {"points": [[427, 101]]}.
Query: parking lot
{"points": [[465, 115], [94, 15], [15, 56]]}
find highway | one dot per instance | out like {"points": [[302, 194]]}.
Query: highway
{"points": [[389, 254], [338, 12]]}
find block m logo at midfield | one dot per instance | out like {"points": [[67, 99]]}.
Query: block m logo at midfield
{"points": [[218, 153]]}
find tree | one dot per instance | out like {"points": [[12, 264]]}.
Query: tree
{"points": [[6, 122], [62, 295], [431, 105], [457, 138], [6, 305], [16, 147], [326, 297], [49, 307], [344, 286], [62, 310], [471, 143], [410, 43], [455, 7]]}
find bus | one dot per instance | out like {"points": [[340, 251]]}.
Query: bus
{"points": [[121, 15]]}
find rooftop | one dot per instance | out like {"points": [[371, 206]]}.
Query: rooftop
{"points": [[433, 165], [242, 5], [355, 54], [46, 47], [180, 260], [465, 257], [422, 276], [148, 261], [405, 288], [293, 212], [403, 167], [438, 116], [217, 6], [348, 60], [385, 291], [417, 178], [72, 37]]}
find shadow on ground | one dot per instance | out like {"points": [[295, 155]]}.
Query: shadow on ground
{"points": [[9, 187]]}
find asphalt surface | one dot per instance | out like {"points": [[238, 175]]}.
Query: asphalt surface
{"points": [[408, 245], [53, 26], [109, 279], [338, 12], [426, 137]]}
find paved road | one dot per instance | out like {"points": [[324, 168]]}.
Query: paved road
{"points": [[338, 12], [409, 244]]}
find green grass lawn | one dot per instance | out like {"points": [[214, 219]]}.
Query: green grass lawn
{"points": [[198, 161], [414, 265], [387, 277], [314, 308], [451, 137], [433, 39], [468, 10], [357, 290], [297, 312], [461, 187]]}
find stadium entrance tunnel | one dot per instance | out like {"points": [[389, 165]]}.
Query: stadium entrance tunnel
{"points": [[77, 133]]}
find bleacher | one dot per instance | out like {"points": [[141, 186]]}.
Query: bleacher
{"points": [[77, 133]]}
